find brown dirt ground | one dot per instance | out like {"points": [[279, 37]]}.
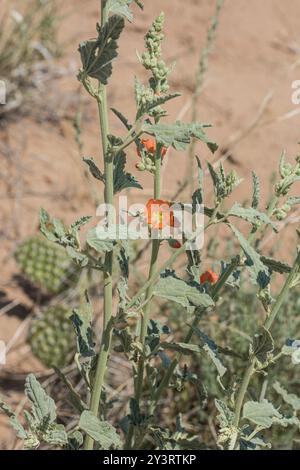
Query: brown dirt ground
{"points": [[256, 52]]}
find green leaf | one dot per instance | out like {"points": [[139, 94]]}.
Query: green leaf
{"points": [[17, 426], [289, 398], [46, 226], [43, 407], [75, 440], [74, 397], [182, 348], [198, 198], [120, 7], [250, 215], [101, 246], [225, 416], [97, 55], [212, 350], [122, 118], [257, 268], [179, 135], [123, 259], [261, 413], [145, 108], [122, 179], [293, 201], [56, 436], [94, 170], [101, 431], [256, 191], [82, 322], [276, 266], [262, 345], [78, 224], [172, 288], [78, 257]]}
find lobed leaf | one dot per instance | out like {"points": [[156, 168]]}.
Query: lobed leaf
{"points": [[82, 322], [101, 431], [122, 179], [43, 406], [262, 345], [261, 413], [275, 265], [97, 55], [257, 268], [179, 135], [256, 191], [100, 245], [250, 215], [289, 398], [172, 288], [17, 426], [94, 170], [198, 198]]}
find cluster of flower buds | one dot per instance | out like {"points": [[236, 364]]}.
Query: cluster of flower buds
{"points": [[282, 212], [152, 58], [289, 175], [147, 155], [232, 180]]}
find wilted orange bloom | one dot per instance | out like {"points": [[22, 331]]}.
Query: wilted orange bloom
{"points": [[175, 244], [209, 276], [159, 214], [150, 146]]}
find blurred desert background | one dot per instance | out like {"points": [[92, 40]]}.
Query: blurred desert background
{"points": [[246, 96]]}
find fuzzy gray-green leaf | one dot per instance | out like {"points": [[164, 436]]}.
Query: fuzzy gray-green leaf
{"points": [[97, 55], [172, 288], [43, 406], [262, 345], [16, 425], [289, 398], [100, 245], [179, 135], [101, 431], [82, 322], [122, 179], [250, 215], [94, 170], [258, 269], [256, 191], [261, 413]]}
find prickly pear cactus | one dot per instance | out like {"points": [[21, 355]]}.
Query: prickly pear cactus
{"points": [[46, 265], [52, 337]]}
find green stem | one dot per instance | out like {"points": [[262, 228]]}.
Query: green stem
{"points": [[108, 287], [146, 314]]}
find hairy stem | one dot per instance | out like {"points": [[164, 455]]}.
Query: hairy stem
{"points": [[108, 287]]}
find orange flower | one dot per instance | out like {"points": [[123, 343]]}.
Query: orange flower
{"points": [[159, 214], [150, 146], [209, 276]]}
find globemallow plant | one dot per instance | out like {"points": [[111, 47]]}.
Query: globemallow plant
{"points": [[160, 361]]}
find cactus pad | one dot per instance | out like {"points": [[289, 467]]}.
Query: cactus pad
{"points": [[52, 337], [46, 265]]}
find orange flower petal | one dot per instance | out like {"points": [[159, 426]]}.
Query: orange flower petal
{"points": [[209, 276]]}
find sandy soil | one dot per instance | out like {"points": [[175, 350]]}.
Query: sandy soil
{"points": [[249, 81]]}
